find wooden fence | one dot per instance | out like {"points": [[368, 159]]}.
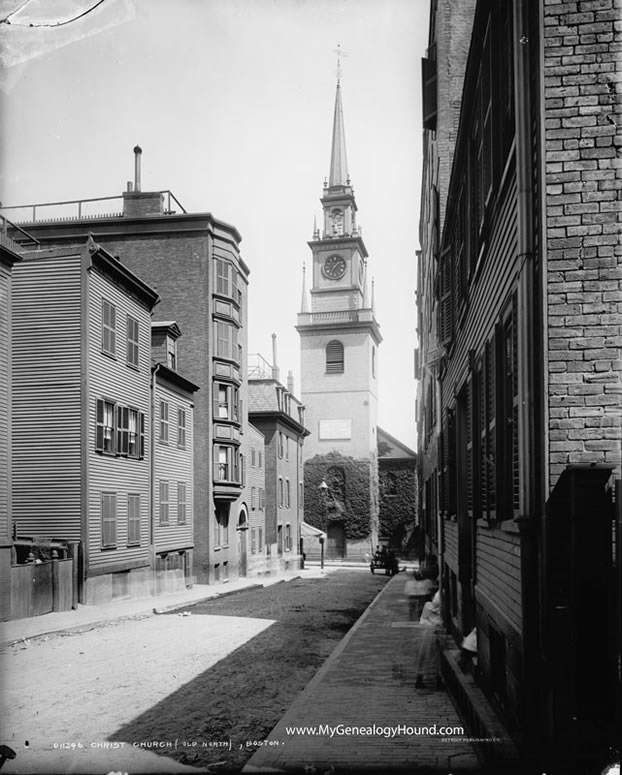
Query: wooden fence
{"points": [[41, 588]]}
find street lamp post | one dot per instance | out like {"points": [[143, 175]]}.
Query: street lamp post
{"points": [[323, 488]]}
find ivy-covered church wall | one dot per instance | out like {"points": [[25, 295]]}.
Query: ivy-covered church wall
{"points": [[349, 496]]}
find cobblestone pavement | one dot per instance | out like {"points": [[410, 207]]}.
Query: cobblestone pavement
{"points": [[369, 682]]}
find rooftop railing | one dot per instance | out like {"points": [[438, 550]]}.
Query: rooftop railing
{"points": [[18, 239], [82, 209]]}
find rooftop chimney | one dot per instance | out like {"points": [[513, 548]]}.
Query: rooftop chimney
{"points": [[137, 203], [290, 381], [275, 369], [137, 154]]}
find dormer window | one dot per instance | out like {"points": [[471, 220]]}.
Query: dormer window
{"points": [[171, 352]]}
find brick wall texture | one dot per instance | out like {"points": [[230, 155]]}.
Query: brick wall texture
{"points": [[582, 84]]}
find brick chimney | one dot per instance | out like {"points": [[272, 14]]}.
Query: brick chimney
{"points": [[136, 202]]}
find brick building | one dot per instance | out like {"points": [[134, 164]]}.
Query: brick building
{"points": [[194, 260], [280, 417], [525, 285]]}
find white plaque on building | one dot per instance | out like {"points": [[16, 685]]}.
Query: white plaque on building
{"points": [[335, 429]]}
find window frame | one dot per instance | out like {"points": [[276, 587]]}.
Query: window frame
{"points": [[101, 435]]}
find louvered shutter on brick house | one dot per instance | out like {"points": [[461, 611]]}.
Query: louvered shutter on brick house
{"points": [[445, 297], [429, 90]]}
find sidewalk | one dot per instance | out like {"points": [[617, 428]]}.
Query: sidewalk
{"points": [[369, 681], [89, 616]]}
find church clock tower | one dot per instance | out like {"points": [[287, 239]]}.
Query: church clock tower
{"points": [[339, 339]]}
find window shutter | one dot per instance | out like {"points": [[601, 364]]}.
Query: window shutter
{"points": [[428, 78], [334, 357], [141, 422], [99, 428], [515, 406], [445, 298]]}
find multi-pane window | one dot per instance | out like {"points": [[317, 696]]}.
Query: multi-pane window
{"points": [[171, 352], [133, 519], [288, 538], [227, 463], [164, 502], [109, 327], [253, 540], [181, 427], [262, 499], [181, 503], [286, 447], [334, 357], [136, 433], [252, 458], [253, 497], [221, 528], [259, 461], [104, 437], [225, 278], [164, 421], [226, 402], [287, 494], [280, 443], [132, 341], [119, 430], [109, 520], [280, 492], [227, 340], [259, 539]]}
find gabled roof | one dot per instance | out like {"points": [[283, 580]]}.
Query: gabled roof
{"points": [[398, 450]]}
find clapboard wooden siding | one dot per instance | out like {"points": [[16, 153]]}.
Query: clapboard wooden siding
{"points": [[498, 571], [174, 465], [47, 395], [5, 366], [112, 379]]}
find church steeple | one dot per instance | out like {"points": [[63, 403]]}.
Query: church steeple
{"points": [[338, 159]]}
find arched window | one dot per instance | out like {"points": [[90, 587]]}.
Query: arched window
{"points": [[334, 357]]}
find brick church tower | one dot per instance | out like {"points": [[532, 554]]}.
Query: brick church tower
{"points": [[339, 339]]}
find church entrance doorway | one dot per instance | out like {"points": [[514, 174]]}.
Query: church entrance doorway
{"points": [[336, 541]]}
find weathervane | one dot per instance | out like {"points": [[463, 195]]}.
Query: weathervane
{"points": [[340, 54]]}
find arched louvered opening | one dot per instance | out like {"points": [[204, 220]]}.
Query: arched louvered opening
{"points": [[334, 357]]}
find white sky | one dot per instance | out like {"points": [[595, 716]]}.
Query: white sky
{"points": [[232, 104]]}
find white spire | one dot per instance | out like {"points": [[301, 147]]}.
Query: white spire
{"points": [[304, 305]]}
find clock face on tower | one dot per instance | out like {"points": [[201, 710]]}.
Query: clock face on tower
{"points": [[334, 268]]}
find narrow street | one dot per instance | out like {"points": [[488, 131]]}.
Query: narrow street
{"points": [[189, 685]]}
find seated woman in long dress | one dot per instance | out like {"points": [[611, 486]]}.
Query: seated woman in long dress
{"points": [[427, 658]]}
